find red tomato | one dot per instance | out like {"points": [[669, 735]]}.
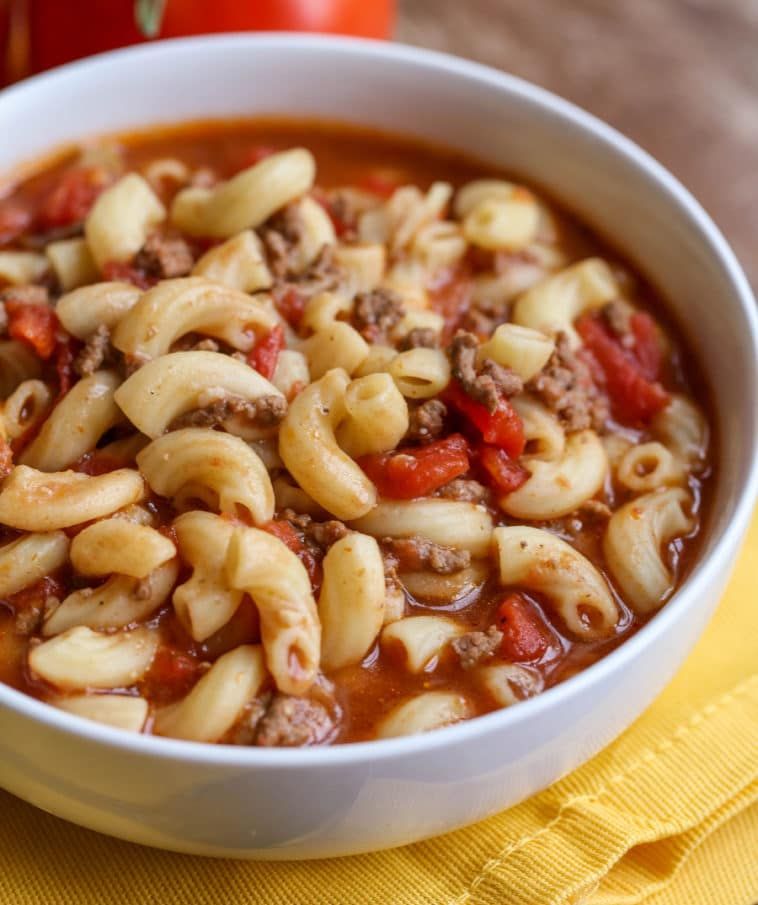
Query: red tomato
{"points": [[6, 458], [502, 428], [505, 474], [265, 353], [415, 471], [14, 220], [450, 296], [634, 398], [647, 346], [525, 635], [35, 325], [72, 198], [288, 535], [348, 17], [66, 31], [290, 304], [172, 674]]}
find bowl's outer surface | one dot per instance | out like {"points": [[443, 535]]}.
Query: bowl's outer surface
{"points": [[336, 801]]}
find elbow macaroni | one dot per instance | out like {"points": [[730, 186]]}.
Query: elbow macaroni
{"points": [[539, 561], [173, 384], [192, 304], [262, 566], [121, 219], [76, 424], [308, 445], [351, 603], [634, 545], [376, 416], [206, 601], [32, 500], [247, 199], [553, 304], [191, 543], [220, 470]]}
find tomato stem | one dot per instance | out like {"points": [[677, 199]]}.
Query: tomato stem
{"points": [[148, 15]]}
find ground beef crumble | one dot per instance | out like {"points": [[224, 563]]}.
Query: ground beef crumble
{"points": [[415, 553], [473, 647], [245, 730], [265, 411], [419, 338], [376, 312], [95, 353], [465, 490], [164, 258], [293, 722], [595, 511], [193, 342], [280, 237], [487, 384], [566, 387], [322, 534], [427, 421]]}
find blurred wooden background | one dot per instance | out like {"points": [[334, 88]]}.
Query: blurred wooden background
{"points": [[680, 77]]}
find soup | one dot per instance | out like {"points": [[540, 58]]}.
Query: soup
{"points": [[314, 435]]}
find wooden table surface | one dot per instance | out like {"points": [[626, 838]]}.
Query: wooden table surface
{"points": [[680, 77]]}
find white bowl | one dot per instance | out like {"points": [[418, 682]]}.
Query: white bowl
{"points": [[248, 802]]}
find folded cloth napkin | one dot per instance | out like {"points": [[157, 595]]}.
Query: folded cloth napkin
{"points": [[666, 815]]}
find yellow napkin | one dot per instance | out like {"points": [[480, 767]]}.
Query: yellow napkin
{"points": [[667, 815]]}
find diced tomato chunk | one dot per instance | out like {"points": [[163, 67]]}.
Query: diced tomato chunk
{"points": [[525, 635], [634, 398], [171, 674], [290, 303], [647, 346], [502, 428], [14, 220], [415, 471], [33, 324], [505, 474], [73, 197], [265, 353], [285, 532], [450, 295], [123, 270]]}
